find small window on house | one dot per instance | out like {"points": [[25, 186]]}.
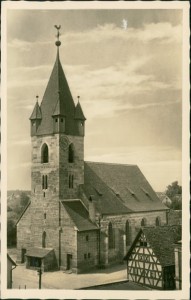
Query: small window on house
{"points": [[71, 153], [56, 120], [158, 221], [143, 222], [44, 194], [89, 255], [44, 153], [85, 256], [87, 238], [62, 120], [81, 124], [44, 215]]}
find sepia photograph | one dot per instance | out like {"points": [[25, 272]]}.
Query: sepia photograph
{"points": [[95, 150]]}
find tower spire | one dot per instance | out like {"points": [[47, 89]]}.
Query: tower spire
{"points": [[58, 42]]}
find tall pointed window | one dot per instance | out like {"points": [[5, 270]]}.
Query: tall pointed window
{"points": [[44, 182], [71, 181], [111, 236], [158, 221], [144, 222], [128, 233], [71, 153], [44, 240], [44, 153]]}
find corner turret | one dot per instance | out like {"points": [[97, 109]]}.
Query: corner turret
{"points": [[35, 118], [80, 119]]}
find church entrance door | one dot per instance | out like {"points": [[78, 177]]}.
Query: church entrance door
{"points": [[69, 261]]}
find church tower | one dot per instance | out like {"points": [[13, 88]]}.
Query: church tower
{"points": [[57, 170], [57, 131]]}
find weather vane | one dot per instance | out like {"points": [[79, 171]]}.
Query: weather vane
{"points": [[58, 43]]}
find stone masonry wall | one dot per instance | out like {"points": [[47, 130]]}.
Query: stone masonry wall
{"points": [[68, 240], [75, 168], [87, 250], [119, 225]]}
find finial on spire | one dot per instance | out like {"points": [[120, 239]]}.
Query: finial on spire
{"points": [[78, 98], [58, 43], [37, 96]]}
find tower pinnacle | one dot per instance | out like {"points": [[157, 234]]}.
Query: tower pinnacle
{"points": [[57, 43]]}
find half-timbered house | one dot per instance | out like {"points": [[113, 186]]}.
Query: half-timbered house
{"points": [[150, 259]]}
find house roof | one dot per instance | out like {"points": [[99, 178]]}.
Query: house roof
{"points": [[11, 260], [38, 252], [22, 213], [118, 188], [161, 240], [119, 285], [79, 215]]}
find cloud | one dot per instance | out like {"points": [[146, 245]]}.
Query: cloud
{"points": [[20, 45], [163, 32]]}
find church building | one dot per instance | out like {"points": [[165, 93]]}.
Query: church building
{"points": [[82, 214]]}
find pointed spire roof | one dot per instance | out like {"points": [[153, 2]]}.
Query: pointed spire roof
{"points": [[79, 115], [59, 109], [36, 114], [52, 104]]}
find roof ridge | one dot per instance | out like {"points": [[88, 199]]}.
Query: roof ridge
{"points": [[108, 163]]}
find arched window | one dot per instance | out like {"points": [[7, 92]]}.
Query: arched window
{"points": [[44, 240], [143, 222], [44, 153], [71, 153], [71, 181], [128, 233], [158, 221], [111, 237]]}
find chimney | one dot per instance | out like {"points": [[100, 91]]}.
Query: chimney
{"points": [[92, 210]]}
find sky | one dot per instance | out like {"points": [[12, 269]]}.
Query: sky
{"points": [[129, 81]]}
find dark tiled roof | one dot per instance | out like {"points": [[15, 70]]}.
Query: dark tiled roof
{"points": [[36, 114], [22, 213], [38, 252], [119, 188], [79, 115], [162, 240], [57, 89], [120, 285], [79, 215], [11, 260]]}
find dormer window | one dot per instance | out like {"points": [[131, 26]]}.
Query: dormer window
{"points": [[44, 154]]}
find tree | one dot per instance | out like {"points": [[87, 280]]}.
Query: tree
{"points": [[174, 192]]}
